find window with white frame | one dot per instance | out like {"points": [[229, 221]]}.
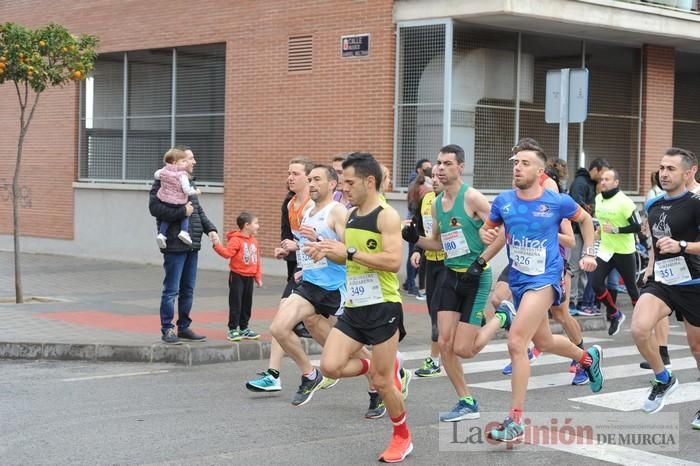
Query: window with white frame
{"points": [[136, 105]]}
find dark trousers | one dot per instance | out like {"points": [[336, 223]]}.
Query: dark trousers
{"points": [[626, 266], [240, 300], [432, 272]]}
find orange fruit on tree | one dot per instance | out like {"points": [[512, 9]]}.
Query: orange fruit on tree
{"points": [[42, 44], [78, 75], [3, 59]]}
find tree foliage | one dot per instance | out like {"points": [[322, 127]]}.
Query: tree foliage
{"points": [[35, 60], [45, 57]]}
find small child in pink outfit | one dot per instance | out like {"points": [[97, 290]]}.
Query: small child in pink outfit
{"points": [[175, 190]]}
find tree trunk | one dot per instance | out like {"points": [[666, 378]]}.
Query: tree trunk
{"points": [[19, 293]]}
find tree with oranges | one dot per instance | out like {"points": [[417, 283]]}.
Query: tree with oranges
{"points": [[34, 60]]}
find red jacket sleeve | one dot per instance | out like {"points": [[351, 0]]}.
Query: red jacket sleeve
{"points": [[230, 250]]}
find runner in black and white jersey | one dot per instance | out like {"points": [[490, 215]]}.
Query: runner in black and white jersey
{"points": [[673, 276]]}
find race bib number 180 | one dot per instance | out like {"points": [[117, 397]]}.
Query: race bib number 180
{"points": [[454, 243]]}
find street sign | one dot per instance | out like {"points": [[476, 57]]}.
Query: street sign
{"points": [[577, 96], [354, 46]]}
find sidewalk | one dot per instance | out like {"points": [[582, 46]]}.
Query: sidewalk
{"points": [[108, 311]]}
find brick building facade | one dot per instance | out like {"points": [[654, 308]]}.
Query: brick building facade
{"points": [[273, 113]]}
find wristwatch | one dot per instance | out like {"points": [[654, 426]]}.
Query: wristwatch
{"points": [[351, 253], [482, 263], [590, 251], [683, 244]]}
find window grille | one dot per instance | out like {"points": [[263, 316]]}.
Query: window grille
{"points": [[136, 105]]}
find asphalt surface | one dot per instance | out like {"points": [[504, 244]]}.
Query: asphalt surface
{"points": [[57, 412]]}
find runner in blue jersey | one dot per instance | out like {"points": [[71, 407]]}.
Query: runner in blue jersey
{"points": [[531, 216]]}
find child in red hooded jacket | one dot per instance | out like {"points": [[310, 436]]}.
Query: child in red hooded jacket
{"points": [[243, 251]]}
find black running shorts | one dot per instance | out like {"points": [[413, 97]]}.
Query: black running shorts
{"points": [[325, 302], [681, 299], [373, 324]]}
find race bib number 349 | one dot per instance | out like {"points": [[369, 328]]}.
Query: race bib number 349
{"points": [[364, 290]]}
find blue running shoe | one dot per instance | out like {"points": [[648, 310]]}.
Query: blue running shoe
{"points": [[509, 431], [509, 368], [265, 383], [461, 411], [581, 376], [508, 310], [595, 375]]}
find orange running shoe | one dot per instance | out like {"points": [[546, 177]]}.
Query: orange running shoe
{"points": [[398, 449]]}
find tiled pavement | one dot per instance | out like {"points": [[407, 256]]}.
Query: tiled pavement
{"points": [[108, 310]]}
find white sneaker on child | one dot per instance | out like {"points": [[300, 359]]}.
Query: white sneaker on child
{"points": [[161, 240], [185, 238]]}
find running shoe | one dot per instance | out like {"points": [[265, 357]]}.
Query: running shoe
{"points": [[328, 383], [658, 393], [573, 366], [307, 389], [376, 406], [428, 369], [588, 311], [248, 334], [265, 383], [399, 448], [616, 324], [595, 375], [509, 431], [461, 411], [170, 337], [581, 376], [531, 355], [405, 380], [573, 311], [695, 423], [421, 296], [234, 335], [508, 310], [161, 240]]}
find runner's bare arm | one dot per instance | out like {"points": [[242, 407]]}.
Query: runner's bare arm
{"points": [[588, 262], [390, 257], [432, 243], [566, 234], [481, 207]]}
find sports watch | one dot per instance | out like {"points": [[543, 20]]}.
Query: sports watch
{"points": [[351, 253], [683, 244]]}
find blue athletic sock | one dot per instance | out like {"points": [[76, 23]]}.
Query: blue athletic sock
{"points": [[664, 376]]}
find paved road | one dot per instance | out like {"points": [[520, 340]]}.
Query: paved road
{"points": [[118, 413]]}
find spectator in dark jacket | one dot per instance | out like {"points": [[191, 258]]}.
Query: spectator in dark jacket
{"points": [[180, 260], [583, 191]]}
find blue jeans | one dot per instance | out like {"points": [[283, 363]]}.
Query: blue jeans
{"points": [[180, 275]]}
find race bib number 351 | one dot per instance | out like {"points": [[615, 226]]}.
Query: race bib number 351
{"points": [[363, 290], [671, 271]]}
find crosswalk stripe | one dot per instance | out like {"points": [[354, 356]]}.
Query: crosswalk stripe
{"points": [[619, 454], [419, 355], [562, 379], [632, 400], [476, 367]]}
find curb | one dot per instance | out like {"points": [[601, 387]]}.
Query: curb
{"points": [[189, 354], [186, 354]]}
